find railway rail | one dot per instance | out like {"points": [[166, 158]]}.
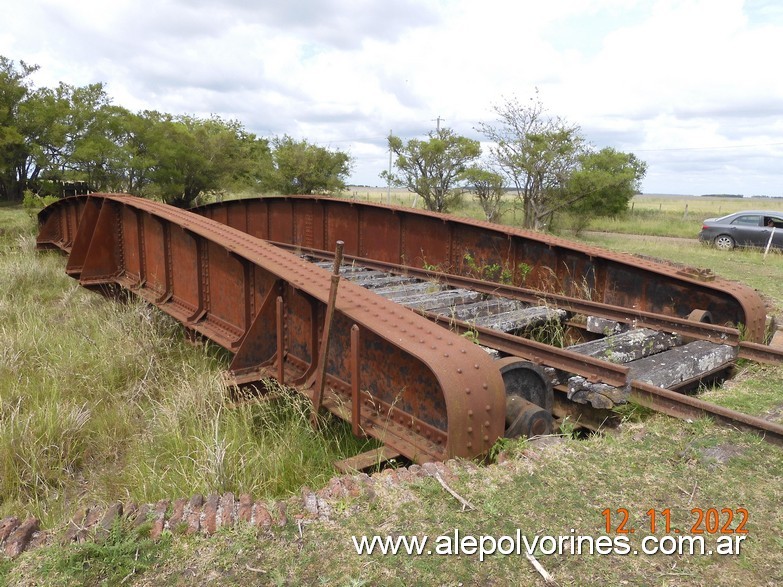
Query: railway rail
{"points": [[503, 315], [372, 352]]}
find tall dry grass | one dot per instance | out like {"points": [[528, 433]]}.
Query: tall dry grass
{"points": [[101, 401]]}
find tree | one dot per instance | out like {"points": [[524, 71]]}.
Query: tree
{"points": [[536, 152], [95, 151], [15, 88], [488, 188], [136, 164], [76, 133], [194, 157], [68, 134], [604, 183], [42, 121], [300, 167], [433, 168]]}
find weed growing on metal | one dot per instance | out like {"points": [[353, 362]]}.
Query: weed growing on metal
{"points": [[569, 428], [552, 332], [472, 335], [496, 272]]}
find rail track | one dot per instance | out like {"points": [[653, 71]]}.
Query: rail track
{"points": [[386, 341], [646, 354]]}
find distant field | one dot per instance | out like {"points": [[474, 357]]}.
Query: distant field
{"points": [[680, 216], [656, 202], [648, 214], [396, 196], [703, 205]]}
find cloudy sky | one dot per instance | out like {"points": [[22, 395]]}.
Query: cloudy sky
{"points": [[692, 87]]}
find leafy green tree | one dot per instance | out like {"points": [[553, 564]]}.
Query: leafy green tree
{"points": [[196, 157], [536, 152], [488, 188], [433, 168], [68, 133], [15, 88], [300, 167], [136, 161], [604, 183], [41, 119], [76, 133], [95, 152]]}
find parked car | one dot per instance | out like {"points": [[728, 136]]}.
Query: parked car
{"points": [[747, 228]]}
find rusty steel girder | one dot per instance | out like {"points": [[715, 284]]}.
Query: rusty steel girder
{"points": [[457, 246], [422, 390]]}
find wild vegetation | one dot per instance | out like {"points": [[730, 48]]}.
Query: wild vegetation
{"points": [[102, 401], [76, 134], [551, 168], [433, 169], [541, 160]]}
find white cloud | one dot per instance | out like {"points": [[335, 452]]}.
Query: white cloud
{"points": [[691, 86]]}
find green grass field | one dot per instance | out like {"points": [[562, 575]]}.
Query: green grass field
{"points": [[102, 401]]}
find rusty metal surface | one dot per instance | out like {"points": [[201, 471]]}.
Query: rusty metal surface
{"points": [[427, 393], [761, 353], [423, 391], [540, 353], [414, 238], [630, 316]]}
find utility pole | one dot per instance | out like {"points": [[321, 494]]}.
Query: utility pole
{"points": [[437, 120], [388, 186]]}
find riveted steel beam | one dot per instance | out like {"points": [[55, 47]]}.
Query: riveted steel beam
{"points": [[457, 246], [423, 391]]}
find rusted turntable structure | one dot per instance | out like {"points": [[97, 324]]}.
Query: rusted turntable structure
{"points": [[384, 350]]}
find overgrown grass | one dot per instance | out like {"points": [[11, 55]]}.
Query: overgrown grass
{"points": [[266, 447], [124, 554], [559, 490], [177, 428], [102, 401], [12, 221], [755, 389], [675, 216]]}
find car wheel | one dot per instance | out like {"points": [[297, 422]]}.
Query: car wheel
{"points": [[724, 242]]}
